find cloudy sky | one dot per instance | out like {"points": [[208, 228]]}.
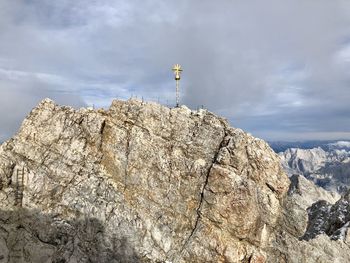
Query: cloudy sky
{"points": [[278, 69]]}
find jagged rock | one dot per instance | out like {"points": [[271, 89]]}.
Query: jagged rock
{"points": [[317, 219], [306, 193], [332, 220], [140, 182], [165, 185], [302, 194], [302, 235]]}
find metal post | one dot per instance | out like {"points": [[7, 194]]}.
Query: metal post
{"points": [[177, 71], [177, 93]]}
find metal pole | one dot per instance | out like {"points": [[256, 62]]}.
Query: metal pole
{"points": [[177, 70], [177, 93]]}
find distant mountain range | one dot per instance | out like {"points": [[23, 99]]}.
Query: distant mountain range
{"points": [[327, 164], [281, 146]]}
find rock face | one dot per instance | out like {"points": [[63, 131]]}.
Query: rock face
{"points": [[332, 220], [140, 182], [300, 236]]}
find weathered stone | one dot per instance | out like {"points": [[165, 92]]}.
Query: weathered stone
{"points": [[140, 182], [302, 235]]}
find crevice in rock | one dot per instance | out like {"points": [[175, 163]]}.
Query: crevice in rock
{"points": [[103, 125], [249, 259], [271, 188], [103, 132], [199, 208], [127, 153]]}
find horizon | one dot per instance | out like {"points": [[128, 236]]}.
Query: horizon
{"points": [[286, 141], [276, 70]]}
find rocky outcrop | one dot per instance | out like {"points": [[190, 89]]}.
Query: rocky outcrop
{"points": [[332, 220], [301, 235], [302, 194], [138, 182], [305, 193]]}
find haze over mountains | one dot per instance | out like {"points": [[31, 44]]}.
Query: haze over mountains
{"points": [[281, 146]]}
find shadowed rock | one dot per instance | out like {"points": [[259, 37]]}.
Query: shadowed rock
{"points": [[332, 220], [30, 236]]}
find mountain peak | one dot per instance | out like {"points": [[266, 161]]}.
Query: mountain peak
{"points": [[139, 182]]}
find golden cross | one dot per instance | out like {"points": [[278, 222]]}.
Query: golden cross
{"points": [[177, 70]]}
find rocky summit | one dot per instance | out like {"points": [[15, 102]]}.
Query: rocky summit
{"points": [[141, 182]]}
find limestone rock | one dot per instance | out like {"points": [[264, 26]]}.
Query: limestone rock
{"points": [[302, 194], [303, 234], [332, 220], [137, 181], [140, 182]]}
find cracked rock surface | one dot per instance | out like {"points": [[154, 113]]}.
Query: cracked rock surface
{"points": [[332, 220], [138, 182], [313, 226]]}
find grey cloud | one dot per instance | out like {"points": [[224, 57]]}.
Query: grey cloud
{"points": [[18, 98], [271, 67]]}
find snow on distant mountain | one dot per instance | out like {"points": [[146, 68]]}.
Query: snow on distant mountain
{"points": [[340, 144], [327, 166]]}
